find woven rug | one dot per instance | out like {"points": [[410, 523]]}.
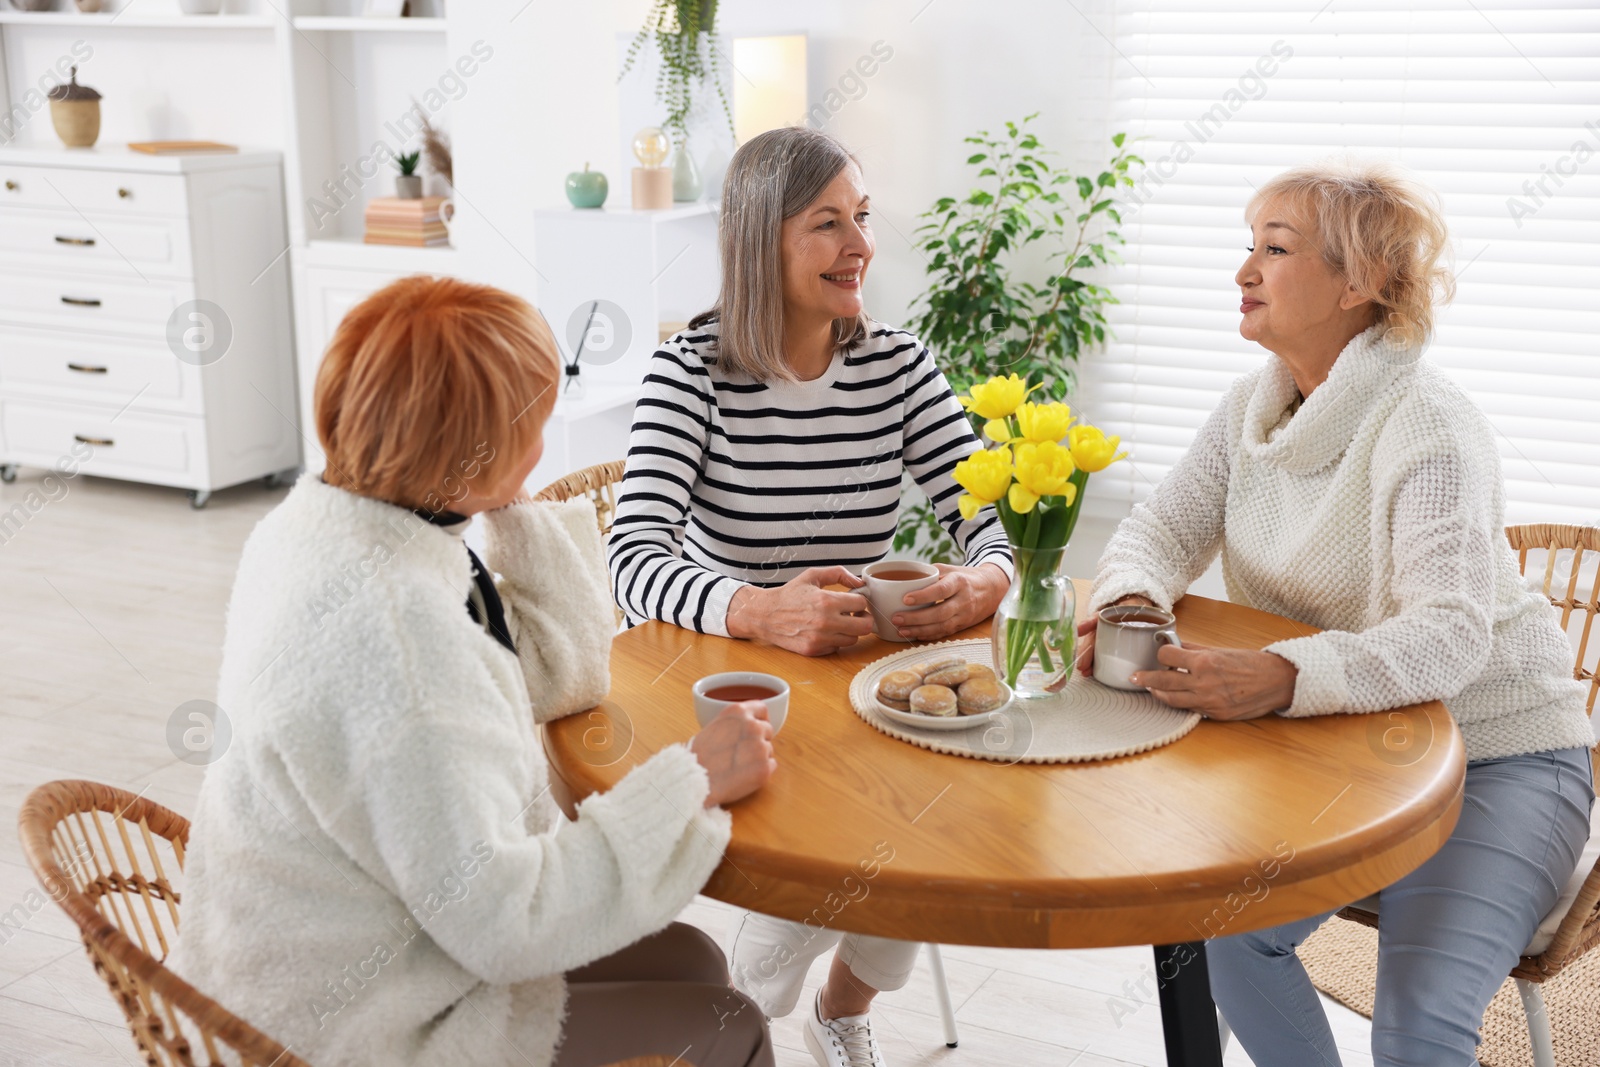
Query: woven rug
{"points": [[1342, 960]]}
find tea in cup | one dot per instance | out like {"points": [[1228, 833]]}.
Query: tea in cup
{"points": [[888, 581], [1126, 640], [716, 691]]}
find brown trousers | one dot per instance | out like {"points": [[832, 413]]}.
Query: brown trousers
{"points": [[665, 995]]}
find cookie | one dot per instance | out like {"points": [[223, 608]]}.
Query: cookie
{"points": [[926, 667], [978, 670], [934, 700], [895, 689], [951, 676], [979, 695]]}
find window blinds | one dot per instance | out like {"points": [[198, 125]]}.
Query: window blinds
{"points": [[1494, 103]]}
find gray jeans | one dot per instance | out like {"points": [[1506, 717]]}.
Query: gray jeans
{"points": [[1452, 929]]}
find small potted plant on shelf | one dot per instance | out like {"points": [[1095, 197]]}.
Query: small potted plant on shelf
{"points": [[408, 183]]}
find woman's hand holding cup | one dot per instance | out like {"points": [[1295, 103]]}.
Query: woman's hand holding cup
{"points": [[735, 749], [801, 615]]}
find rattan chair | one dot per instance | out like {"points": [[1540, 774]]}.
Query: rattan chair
{"points": [[1573, 925], [599, 482], [109, 858]]}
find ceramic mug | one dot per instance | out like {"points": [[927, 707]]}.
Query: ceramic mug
{"points": [[447, 215], [728, 685], [1126, 641], [886, 596]]}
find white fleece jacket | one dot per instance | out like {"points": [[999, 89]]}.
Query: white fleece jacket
{"points": [[377, 874], [1375, 514]]}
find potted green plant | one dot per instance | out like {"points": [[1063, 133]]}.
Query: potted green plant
{"points": [[981, 314], [408, 183], [682, 31]]}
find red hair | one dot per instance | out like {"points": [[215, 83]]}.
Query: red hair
{"points": [[430, 383]]}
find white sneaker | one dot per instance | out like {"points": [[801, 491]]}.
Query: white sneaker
{"points": [[843, 1042]]}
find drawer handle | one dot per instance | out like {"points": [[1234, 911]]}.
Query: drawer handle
{"points": [[85, 241], [12, 186], [81, 301], [84, 368], [99, 442], [126, 194]]}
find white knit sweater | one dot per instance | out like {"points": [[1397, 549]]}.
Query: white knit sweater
{"points": [[377, 873], [1374, 514]]}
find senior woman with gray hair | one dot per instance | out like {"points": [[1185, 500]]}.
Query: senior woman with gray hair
{"points": [[766, 463], [1351, 486]]}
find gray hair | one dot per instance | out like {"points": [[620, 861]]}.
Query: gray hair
{"points": [[772, 177]]}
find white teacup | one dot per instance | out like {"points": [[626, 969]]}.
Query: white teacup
{"points": [[886, 596], [716, 691], [1126, 640]]}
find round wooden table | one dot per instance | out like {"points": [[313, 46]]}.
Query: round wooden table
{"points": [[1234, 827]]}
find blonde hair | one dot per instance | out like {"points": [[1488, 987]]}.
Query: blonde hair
{"points": [[431, 383], [772, 177], [1382, 231]]}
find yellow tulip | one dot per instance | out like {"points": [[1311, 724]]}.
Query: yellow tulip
{"points": [[1092, 450], [1021, 500], [997, 397], [985, 474], [969, 506], [1042, 469], [1044, 422], [998, 431]]}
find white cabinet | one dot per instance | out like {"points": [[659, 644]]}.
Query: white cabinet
{"points": [[144, 316], [656, 269]]}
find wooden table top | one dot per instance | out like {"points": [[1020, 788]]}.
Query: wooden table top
{"points": [[1234, 827]]}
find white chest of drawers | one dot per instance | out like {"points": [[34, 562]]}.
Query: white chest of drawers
{"points": [[113, 265]]}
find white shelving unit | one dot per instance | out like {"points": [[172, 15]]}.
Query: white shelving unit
{"points": [[326, 87], [110, 20], [335, 24]]}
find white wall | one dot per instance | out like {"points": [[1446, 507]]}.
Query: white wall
{"points": [[956, 67]]}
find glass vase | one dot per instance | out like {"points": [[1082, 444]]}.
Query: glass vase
{"points": [[1035, 629]]}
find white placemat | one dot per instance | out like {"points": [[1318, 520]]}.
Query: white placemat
{"points": [[1085, 721]]}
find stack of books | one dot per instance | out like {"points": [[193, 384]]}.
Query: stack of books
{"points": [[392, 221]]}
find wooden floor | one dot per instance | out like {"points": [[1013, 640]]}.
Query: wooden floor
{"points": [[111, 607]]}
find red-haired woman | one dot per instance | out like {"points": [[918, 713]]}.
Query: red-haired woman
{"points": [[378, 874]]}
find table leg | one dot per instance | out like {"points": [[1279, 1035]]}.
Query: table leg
{"points": [[1188, 1016]]}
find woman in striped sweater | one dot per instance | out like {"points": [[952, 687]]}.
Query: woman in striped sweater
{"points": [[766, 462]]}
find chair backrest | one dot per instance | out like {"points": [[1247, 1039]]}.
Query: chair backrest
{"points": [[110, 859], [1571, 570], [599, 482]]}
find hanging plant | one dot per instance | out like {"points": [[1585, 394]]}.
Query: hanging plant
{"points": [[683, 33]]}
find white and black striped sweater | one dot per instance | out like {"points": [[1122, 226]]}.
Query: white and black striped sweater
{"points": [[732, 481]]}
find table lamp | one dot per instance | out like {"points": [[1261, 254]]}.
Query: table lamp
{"points": [[652, 183]]}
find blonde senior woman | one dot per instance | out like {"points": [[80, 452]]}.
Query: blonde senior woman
{"points": [[377, 874], [765, 464], [1350, 485]]}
